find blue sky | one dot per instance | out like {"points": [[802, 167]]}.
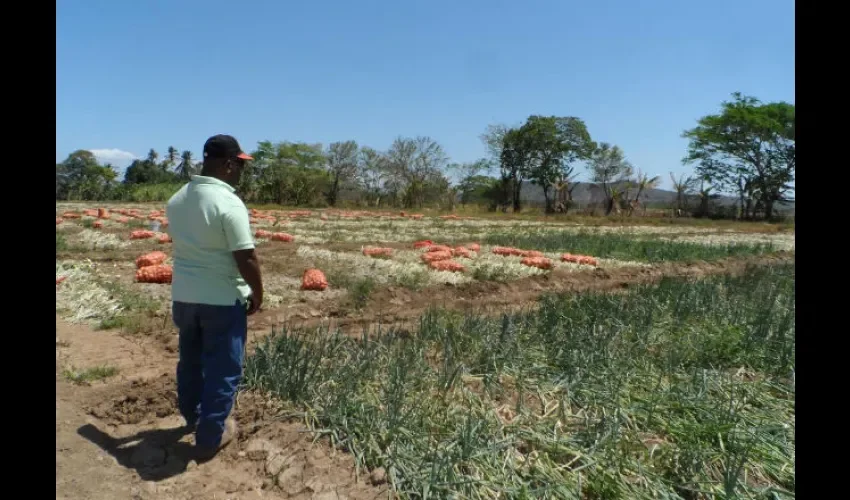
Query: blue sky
{"points": [[136, 75]]}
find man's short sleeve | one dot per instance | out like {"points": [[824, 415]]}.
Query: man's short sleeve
{"points": [[237, 228]]}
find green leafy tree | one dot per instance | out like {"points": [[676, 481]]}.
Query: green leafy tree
{"points": [[81, 177], [552, 144], [749, 145]]}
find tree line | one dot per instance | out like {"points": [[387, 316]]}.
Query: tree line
{"points": [[747, 150]]}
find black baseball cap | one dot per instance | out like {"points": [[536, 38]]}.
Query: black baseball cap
{"points": [[224, 146]]}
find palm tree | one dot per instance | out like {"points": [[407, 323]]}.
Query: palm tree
{"points": [[643, 183], [682, 186], [170, 157], [186, 167]]}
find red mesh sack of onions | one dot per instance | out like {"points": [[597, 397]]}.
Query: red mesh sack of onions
{"points": [[378, 252], [538, 262], [506, 251], [461, 252], [314, 279], [141, 235], [159, 273], [151, 259], [282, 237]]}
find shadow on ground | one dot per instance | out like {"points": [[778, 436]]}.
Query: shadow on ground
{"points": [[156, 454]]}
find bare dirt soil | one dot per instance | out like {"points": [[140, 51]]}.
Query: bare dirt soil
{"points": [[121, 437]]}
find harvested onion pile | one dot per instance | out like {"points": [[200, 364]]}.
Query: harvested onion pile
{"points": [[141, 234], [70, 215], [538, 262], [506, 251], [262, 233], [475, 247], [151, 259], [438, 248], [59, 220], [314, 279], [579, 259], [159, 273], [282, 237], [461, 252], [378, 252], [447, 265], [164, 238]]}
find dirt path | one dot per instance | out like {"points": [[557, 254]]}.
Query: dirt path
{"points": [[119, 438]]}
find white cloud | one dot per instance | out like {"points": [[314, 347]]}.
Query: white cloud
{"points": [[117, 157]]}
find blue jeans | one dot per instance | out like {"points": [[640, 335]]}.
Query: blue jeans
{"points": [[212, 344]]}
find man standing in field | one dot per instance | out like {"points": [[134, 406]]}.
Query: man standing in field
{"points": [[215, 287]]}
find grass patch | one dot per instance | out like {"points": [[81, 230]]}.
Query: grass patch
{"points": [[61, 243], [360, 291], [89, 375], [613, 246], [680, 390], [137, 314]]}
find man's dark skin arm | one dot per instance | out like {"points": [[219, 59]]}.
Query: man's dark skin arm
{"points": [[249, 268]]}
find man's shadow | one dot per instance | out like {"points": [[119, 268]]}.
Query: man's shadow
{"points": [[155, 454]]}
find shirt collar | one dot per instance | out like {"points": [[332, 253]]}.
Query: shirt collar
{"points": [[203, 179]]}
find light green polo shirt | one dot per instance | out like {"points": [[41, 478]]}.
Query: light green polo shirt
{"points": [[207, 222]]}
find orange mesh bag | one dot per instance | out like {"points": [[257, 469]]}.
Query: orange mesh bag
{"points": [[282, 237], [378, 252], [141, 234], [538, 262], [164, 238], [475, 247], [159, 273], [506, 251], [447, 265], [70, 215], [252, 220], [438, 248], [97, 224], [151, 259], [461, 252], [422, 244], [102, 213], [428, 257], [59, 220], [568, 257], [314, 279], [530, 253], [587, 260], [262, 233]]}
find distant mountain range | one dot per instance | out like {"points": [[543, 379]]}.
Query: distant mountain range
{"points": [[586, 193]]}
